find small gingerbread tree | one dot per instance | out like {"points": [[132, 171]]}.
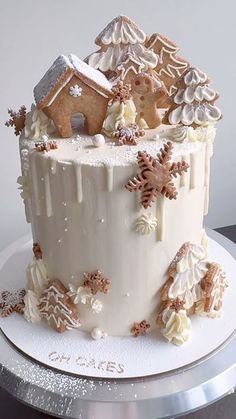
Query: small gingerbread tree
{"points": [[119, 38], [169, 66], [58, 308], [193, 104]]}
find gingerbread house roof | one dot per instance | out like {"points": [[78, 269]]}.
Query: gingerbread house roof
{"points": [[61, 72]]}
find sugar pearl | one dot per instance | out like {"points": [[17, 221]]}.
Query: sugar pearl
{"points": [[156, 137], [98, 140], [97, 334]]}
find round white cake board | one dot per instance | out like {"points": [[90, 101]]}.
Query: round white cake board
{"points": [[115, 357]]}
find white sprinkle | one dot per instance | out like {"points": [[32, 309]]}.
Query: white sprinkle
{"points": [[66, 229], [156, 137], [64, 203], [127, 294], [59, 240], [42, 179], [65, 218], [101, 220], [63, 168]]}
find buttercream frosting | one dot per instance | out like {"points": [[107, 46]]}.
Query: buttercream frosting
{"points": [[37, 278], [146, 224], [177, 326], [37, 124], [31, 309], [119, 113]]}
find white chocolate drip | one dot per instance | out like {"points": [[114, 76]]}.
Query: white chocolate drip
{"points": [[183, 177], [161, 218], [35, 185], [78, 180], [109, 178], [192, 181], [208, 154], [47, 186]]}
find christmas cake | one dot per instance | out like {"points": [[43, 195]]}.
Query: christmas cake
{"points": [[115, 157]]}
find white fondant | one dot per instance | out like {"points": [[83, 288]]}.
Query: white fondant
{"points": [[91, 188]]}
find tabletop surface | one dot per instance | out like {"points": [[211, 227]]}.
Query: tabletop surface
{"points": [[224, 409]]}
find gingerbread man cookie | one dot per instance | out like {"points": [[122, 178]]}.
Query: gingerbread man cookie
{"points": [[149, 94]]}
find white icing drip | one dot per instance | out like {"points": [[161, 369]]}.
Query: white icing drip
{"points": [[35, 185], [53, 165], [31, 309], [146, 224], [109, 170], [208, 154], [177, 326], [48, 196], [192, 183], [37, 278], [23, 181], [78, 181], [160, 202], [121, 31], [183, 177]]}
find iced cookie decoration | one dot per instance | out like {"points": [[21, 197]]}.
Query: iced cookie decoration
{"points": [[17, 119], [123, 56], [139, 329], [58, 308], [194, 285], [193, 104], [169, 66], [213, 286], [46, 146], [71, 86], [128, 135], [96, 282], [156, 175], [12, 301]]}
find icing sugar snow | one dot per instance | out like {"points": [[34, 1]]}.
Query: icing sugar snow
{"points": [[59, 67], [80, 149]]}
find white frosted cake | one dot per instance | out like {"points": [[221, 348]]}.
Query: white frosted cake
{"points": [[115, 180]]}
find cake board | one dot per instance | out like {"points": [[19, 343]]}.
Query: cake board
{"points": [[155, 396]]}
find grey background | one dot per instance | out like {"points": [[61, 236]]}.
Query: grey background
{"points": [[33, 33]]}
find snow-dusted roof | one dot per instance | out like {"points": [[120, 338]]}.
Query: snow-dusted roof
{"points": [[60, 73], [121, 30]]}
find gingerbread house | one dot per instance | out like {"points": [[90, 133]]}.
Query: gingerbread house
{"points": [[71, 86]]}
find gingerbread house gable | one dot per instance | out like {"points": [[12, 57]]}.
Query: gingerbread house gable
{"points": [[59, 75]]}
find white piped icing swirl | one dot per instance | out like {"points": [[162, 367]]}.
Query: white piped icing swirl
{"points": [[195, 76], [192, 93], [177, 326], [198, 114], [121, 31]]}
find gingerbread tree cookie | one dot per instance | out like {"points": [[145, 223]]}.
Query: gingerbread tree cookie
{"points": [[124, 56], [193, 104], [169, 66], [120, 37], [58, 308]]}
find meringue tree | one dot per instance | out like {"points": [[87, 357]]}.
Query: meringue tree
{"points": [[121, 38], [193, 104]]}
